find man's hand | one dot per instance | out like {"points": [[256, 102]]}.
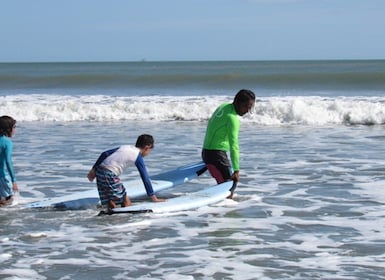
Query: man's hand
{"points": [[235, 176]]}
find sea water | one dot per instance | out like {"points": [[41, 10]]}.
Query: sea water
{"points": [[310, 204]]}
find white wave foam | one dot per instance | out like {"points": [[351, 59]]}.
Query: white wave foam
{"points": [[320, 111], [292, 110]]}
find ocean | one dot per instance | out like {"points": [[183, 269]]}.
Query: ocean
{"points": [[310, 204]]}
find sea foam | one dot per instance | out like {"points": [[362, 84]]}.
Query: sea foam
{"points": [[288, 110]]}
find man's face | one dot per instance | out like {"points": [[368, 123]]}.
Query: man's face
{"points": [[245, 107]]}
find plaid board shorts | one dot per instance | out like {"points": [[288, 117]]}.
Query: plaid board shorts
{"points": [[110, 187]]}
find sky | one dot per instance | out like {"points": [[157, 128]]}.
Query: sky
{"points": [[190, 30]]}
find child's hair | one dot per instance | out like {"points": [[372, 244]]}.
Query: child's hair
{"points": [[145, 140], [243, 96], [7, 123]]}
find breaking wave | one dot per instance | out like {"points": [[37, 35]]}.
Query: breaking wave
{"points": [[288, 110]]}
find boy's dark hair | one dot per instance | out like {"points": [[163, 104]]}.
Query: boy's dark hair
{"points": [[144, 140], [243, 96], [7, 123]]}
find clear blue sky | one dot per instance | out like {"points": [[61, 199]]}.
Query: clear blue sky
{"points": [[172, 30]]}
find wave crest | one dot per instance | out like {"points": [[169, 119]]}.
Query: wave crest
{"points": [[290, 110]]}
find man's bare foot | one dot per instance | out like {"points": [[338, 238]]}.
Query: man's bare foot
{"points": [[230, 196]]}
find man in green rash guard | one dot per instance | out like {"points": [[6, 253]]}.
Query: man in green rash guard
{"points": [[222, 137]]}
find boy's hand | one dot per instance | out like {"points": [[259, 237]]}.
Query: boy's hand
{"points": [[91, 175]]}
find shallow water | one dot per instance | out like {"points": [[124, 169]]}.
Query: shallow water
{"points": [[311, 205]]}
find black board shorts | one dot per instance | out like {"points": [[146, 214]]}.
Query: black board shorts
{"points": [[218, 164]]}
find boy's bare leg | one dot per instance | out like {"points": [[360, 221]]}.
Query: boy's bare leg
{"points": [[111, 204], [126, 201]]}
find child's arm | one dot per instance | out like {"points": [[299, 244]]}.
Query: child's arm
{"points": [[144, 175], [146, 179], [92, 173]]}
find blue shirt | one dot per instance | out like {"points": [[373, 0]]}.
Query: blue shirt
{"points": [[6, 166]]}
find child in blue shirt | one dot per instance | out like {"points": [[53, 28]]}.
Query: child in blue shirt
{"points": [[8, 185]]}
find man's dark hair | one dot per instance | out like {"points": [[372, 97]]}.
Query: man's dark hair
{"points": [[243, 96]]}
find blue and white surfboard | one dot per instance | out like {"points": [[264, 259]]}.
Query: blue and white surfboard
{"points": [[188, 201], [134, 188]]}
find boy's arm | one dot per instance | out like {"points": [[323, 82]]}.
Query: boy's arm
{"points": [[103, 156], [92, 173], [8, 161], [146, 179], [144, 175]]}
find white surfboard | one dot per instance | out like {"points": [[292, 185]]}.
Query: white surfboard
{"points": [[185, 202], [134, 188]]}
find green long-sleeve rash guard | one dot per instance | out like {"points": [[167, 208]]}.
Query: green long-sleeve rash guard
{"points": [[222, 132]]}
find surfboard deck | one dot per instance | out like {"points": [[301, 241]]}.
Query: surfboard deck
{"points": [[134, 188], [188, 201]]}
